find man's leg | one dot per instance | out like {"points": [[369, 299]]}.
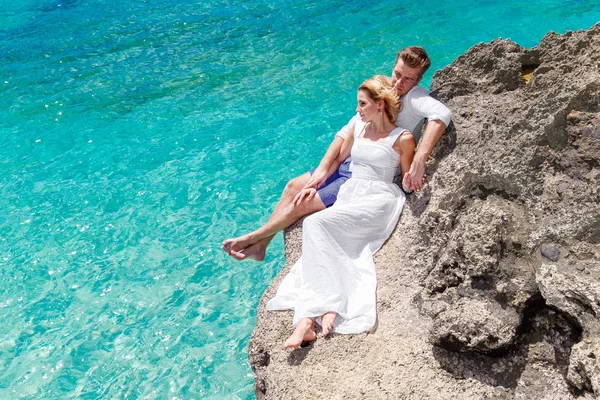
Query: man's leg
{"points": [[255, 243], [292, 188]]}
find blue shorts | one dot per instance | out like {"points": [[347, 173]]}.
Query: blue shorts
{"points": [[328, 191]]}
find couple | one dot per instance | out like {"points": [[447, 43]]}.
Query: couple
{"points": [[334, 281]]}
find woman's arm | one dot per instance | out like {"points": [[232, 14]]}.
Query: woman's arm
{"points": [[405, 146]]}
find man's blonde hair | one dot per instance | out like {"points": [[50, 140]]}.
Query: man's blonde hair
{"points": [[415, 57]]}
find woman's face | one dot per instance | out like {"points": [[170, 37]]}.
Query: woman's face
{"points": [[367, 108]]}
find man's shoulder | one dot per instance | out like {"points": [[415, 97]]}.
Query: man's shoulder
{"points": [[416, 92], [414, 100]]}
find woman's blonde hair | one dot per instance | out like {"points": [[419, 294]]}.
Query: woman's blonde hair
{"points": [[380, 87]]}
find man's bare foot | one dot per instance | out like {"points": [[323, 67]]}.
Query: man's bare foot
{"points": [[256, 252], [304, 331], [327, 322], [236, 244]]}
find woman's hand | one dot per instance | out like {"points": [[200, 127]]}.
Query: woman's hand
{"points": [[305, 194]]}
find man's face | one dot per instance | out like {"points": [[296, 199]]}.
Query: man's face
{"points": [[404, 77]]}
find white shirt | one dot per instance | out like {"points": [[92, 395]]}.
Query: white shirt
{"points": [[418, 106]]}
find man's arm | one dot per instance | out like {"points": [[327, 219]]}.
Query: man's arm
{"points": [[439, 117], [320, 174], [415, 178], [308, 192]]}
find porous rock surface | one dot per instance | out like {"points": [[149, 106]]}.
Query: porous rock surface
{"points": [[490, 285]]}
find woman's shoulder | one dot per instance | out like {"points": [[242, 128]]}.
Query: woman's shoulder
{"points": [[405, 140], [406, 136], [359, 125], [402, 134]]}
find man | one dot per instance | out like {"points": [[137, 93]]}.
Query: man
{"points": [[411, 63]]}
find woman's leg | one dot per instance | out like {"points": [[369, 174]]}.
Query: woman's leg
{"points": [[327, 322], [305, 331]]}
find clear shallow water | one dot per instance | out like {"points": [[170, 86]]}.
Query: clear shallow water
{"points": [[135, 136]]}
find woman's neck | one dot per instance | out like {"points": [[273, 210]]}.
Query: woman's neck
{"points": [[380, 126]]}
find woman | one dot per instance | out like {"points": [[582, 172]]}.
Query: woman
{"points": [[334, 282]]}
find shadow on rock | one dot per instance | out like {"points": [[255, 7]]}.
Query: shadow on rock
{"points": [[504, 371], [298, 355], [546, 338]]}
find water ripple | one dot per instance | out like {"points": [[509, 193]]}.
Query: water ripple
{"points": [[136, 136]]}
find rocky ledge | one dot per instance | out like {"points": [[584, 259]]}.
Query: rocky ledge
{"points": [[490, 285]]}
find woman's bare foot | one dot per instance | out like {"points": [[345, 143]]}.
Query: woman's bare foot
{"points": [[304, 331], [327, 321], [255, 251]]}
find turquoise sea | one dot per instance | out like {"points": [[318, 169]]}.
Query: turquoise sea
{"points": [[136, 135]]}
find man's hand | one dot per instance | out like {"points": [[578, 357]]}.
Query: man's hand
{"points": [[305, 194], [316, 179], [432, 134], [414, 179]]}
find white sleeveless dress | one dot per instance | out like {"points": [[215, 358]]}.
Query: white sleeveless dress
{"points": [[336, 270]]}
